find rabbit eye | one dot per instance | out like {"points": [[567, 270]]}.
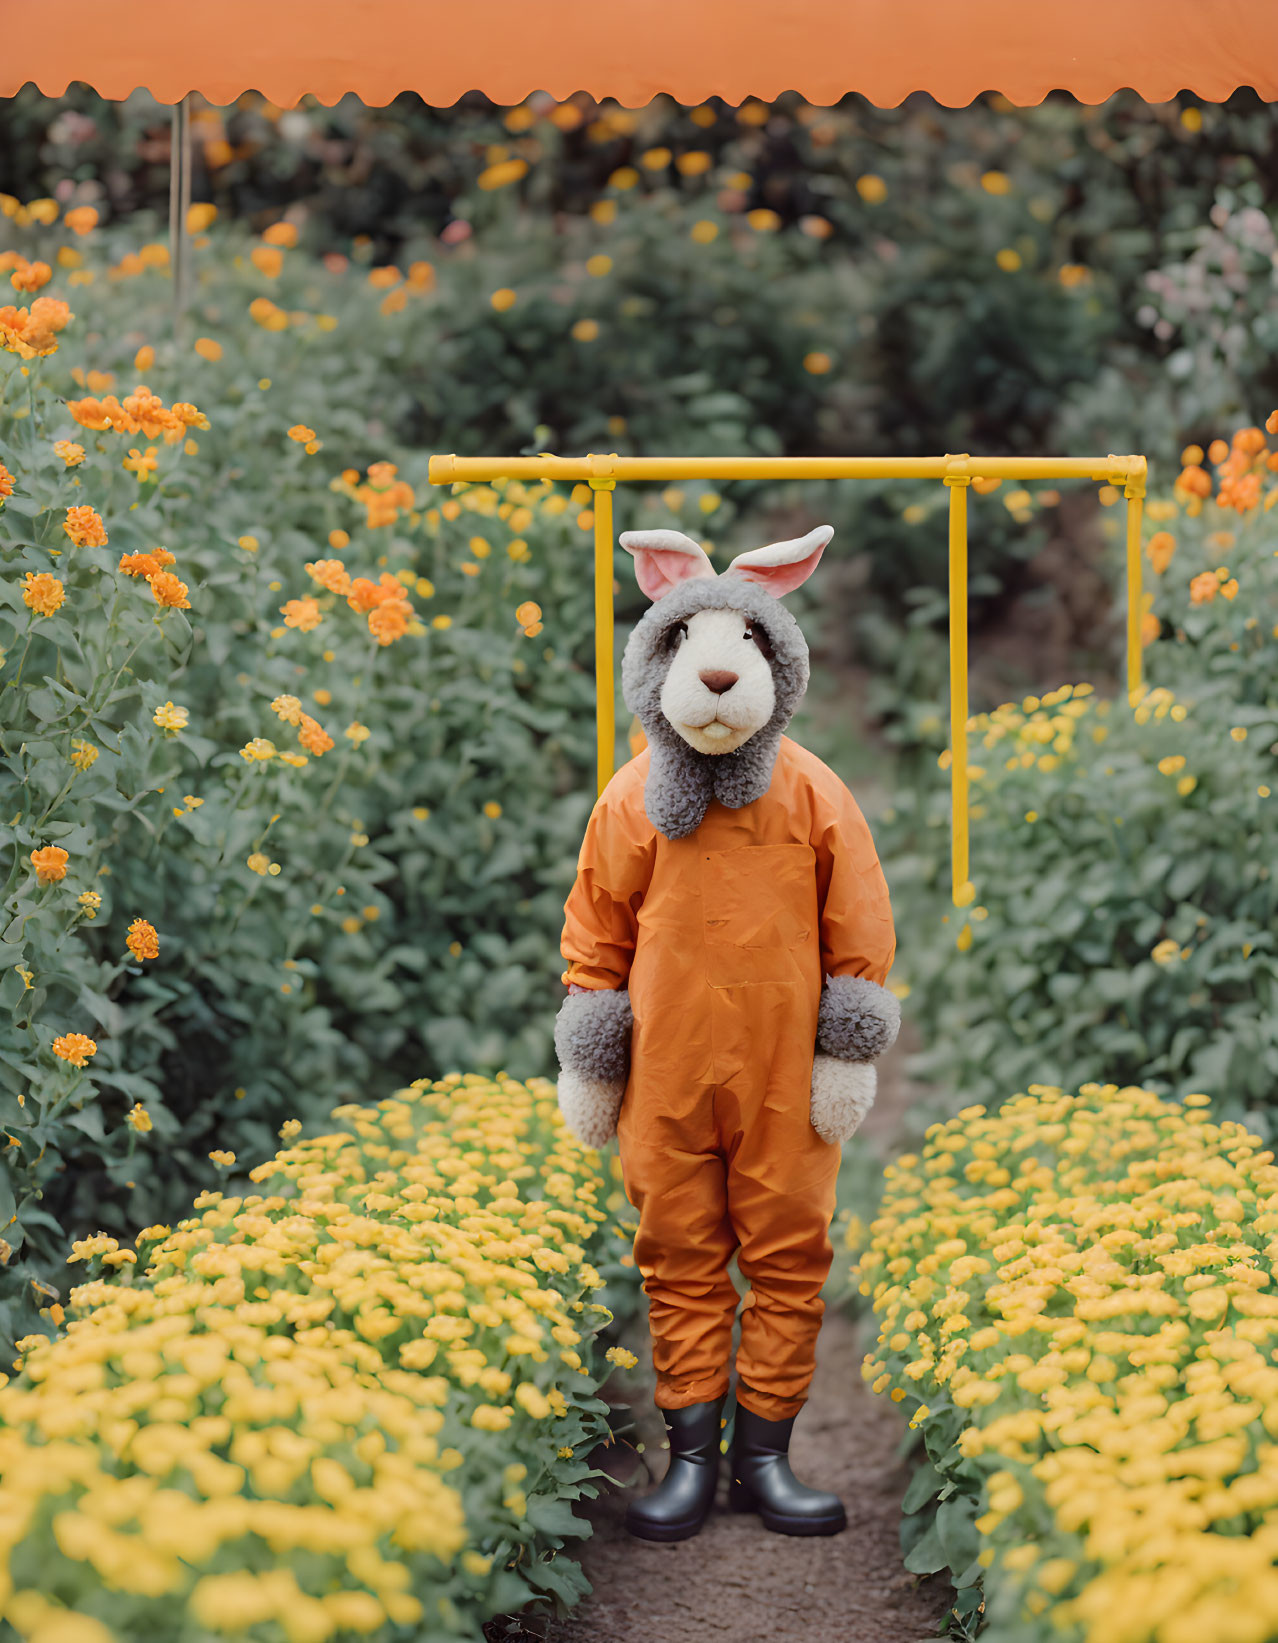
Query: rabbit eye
{"points": [[760, 638], [676, 635]]}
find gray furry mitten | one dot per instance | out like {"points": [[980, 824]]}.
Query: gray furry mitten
{"points": [[856, 1022], [592, 1041]]}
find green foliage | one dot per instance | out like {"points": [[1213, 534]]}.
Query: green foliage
{"points": [[1123, 860]]}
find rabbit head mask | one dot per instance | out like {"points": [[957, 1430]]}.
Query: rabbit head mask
{"points": [[713, 670]]}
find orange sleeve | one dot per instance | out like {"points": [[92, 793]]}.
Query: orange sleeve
{"points": [[858, 937], [601, 915]]}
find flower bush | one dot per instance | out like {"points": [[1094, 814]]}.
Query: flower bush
{"points": [[1074, 1309], [1123, 897], [356, 1401]]}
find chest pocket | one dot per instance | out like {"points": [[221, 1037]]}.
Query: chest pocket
{"points": [[760, 913]]}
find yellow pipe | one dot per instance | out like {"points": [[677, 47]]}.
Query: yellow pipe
{"points": [[1135, 494], [447, 470], [605, 678], [958, 481]]}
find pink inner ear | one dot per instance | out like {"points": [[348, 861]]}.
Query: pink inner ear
{"points": [[779, 579], [657, 570]]}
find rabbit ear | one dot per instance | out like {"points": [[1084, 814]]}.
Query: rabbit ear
{"points": [[782, 566], [663, 559]]}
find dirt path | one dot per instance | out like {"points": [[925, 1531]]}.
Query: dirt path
{"points": [[735, 1579]]}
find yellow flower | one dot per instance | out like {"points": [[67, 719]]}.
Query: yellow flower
{"points": [[75, 1048], [143, 941], [996, 182], [872, 189], [169, 717], [492, 810], [1008, 260], [704, 232], [598, 265], [503, 299], [620, 1356], [138, 1118]]}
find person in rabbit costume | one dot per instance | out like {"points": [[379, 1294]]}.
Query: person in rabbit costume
{"points": [[727, 937]]}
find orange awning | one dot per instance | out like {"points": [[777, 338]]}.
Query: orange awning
{"points": [[690, 49]]}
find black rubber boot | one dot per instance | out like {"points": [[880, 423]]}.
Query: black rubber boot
{"points": [[681, 1502], [762, 1481]]}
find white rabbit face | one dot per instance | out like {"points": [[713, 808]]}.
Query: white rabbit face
{"points": [[719, 688]]}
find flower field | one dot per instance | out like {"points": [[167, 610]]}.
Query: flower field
{"points": [[1123, 855], [299, 753], [355, 1402], [1074, 1307]]}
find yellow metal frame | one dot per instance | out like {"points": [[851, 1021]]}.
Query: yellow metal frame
{"points": [[604, 473]]}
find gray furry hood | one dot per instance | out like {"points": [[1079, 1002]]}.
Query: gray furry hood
{"points": [[681, 781]]}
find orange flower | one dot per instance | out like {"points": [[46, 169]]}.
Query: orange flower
{"points": [[301, 433], [6, 481], [50, 863], [42, 593], [31, 333], [1229, 589], [1217, 451], [281, 233], [144, 359], [1150, 628], [421, 275], [142, 940], [267, 259], [394, 302], [265, 313], [301, 613], [1204, 588], [504, 172], [1250, 440], [763, 220], [313, 737], [390, 620], [1195, 480], [90, 413], [185, 416], [168, 590], [208, 349], [146, 564], [199, 217], [527, 613], [141, 463], [330, 574], [82, 219], [71, 453], [75, 1048], [1271, 423], [30, 276], [85, 528], [1161, 547], [381, 279]]}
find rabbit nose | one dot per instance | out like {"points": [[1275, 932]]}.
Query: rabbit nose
{"points": [[718, 682]]}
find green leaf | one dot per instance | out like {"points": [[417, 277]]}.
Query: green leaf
{"points": [[928, 1556]]}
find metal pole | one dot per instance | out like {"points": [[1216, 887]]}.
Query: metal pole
{"points": [[605, 679], [179, 208], [958, 483]]}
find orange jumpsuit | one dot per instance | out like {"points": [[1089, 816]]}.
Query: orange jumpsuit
{"points": [[723, 938]]}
